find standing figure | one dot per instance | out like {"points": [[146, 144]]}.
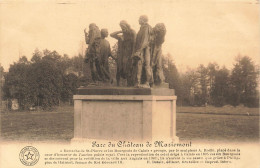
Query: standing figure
{"points": [[159, 32], [142, 53], [105, 53], [92, 38], [126, 43]]}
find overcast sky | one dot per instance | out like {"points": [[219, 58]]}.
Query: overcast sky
{"points": [[198, 32]]}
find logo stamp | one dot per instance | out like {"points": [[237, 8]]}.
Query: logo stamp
{"points": [[29, 156]]}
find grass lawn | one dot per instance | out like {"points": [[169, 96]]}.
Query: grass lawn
{"points": [[217, 127], [226, 110], [38, 126], [193, 123]]}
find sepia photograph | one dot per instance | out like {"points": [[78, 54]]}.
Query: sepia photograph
{"points": [[129, 83]]}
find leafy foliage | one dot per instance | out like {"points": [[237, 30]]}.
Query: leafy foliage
{"points": [[243, 83], [44, 81], [220, 88], [211, 85]]}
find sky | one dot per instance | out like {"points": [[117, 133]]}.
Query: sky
{"points": [[198, 31]]}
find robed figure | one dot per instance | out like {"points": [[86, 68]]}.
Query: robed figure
{"points": [[159, 32], [142, 56], [98, 53], [92, 38], [126, 42]]}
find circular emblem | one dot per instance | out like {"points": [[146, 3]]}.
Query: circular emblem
{"points": [[29, 156]]}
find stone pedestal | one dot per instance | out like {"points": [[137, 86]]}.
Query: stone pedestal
{"points": [[125, 114]]}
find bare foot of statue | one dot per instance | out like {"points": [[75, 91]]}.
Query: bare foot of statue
{"points": [[145, 85]]}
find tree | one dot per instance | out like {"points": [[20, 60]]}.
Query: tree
{"points": [[70, 85], [16, 84], [1, 82], [23, 60], [202, 95], [244, 82], [82, 68], [190, 86], [220, 87], [39, 82], [212, 70], [37, 56], [47, 85], [172, 76]]}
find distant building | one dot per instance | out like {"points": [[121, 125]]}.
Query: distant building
{"points": [[71, 70]]}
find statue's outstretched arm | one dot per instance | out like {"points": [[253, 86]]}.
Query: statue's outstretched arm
{"points": [[115, 35]]}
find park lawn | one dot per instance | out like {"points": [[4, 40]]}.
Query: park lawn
{"points": [[226, 128], [38, 126], [226, 110], [191, 125]]}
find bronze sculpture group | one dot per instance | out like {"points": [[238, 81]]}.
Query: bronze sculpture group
{"points": [[139, 56]]}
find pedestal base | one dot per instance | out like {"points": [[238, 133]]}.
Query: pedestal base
{"points": [[125, 117]]}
